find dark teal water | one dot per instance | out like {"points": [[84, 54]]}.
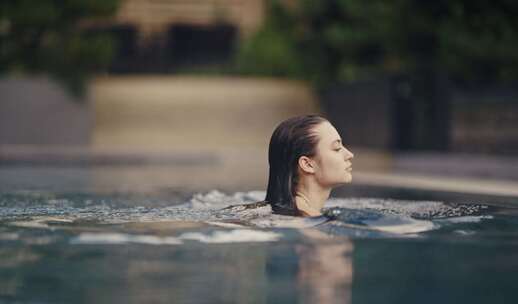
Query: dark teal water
{"points": [[84, 246]]}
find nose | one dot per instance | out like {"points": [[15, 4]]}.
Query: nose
{"points": [[348, 154]]}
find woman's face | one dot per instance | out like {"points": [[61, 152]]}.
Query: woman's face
{"points": [[333, 160]]}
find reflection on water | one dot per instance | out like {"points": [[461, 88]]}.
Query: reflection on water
{"points": [[325, 270], [193, 273]]}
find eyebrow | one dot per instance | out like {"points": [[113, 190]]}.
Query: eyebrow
{"points": [[337, 140]]}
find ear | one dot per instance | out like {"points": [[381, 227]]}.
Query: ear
{"points": [[306, 164]]}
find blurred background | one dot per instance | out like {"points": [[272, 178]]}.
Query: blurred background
{"points": [[186, 93]]}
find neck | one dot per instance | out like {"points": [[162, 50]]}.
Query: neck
{"points": [[310, 198]]}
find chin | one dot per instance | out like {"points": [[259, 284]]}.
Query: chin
{"points": [[348, 179]]}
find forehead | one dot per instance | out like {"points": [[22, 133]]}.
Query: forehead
{"points": [[326, 133]]}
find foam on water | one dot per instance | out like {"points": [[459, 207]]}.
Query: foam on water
{"points": [[122, 238], [416, 209], [227, 211], [464, 232], [233, 236], [216, 237], [466, 219]]}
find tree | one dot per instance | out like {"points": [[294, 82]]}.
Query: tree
{"points": [[424, 44], [47, 36], [344, 40]]}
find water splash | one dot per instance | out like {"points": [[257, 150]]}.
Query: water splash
{"points": [[31, 210]]}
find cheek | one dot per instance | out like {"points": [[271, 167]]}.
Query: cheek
{"points": [[331, 169]]}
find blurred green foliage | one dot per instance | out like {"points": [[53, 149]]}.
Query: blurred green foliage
{"points": [[46, 36], [346, 40]]}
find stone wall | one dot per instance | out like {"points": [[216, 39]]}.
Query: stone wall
{"points": [[485, 121], [195, 112], [480, 120], [37, 111]]}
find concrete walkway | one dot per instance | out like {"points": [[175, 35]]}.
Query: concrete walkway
{"points": [[236, 169], [438, 183]]}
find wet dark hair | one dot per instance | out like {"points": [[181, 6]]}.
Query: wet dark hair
{"points": [[291, 139]]}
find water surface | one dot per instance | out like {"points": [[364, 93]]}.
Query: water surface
{"points": [[84, 246]]}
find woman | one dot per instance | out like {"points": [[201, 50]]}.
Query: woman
{"points": [[307, 159]]}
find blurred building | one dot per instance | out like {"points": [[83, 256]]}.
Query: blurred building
{"points": [[165, 36], [145, 101], [155, 18]]}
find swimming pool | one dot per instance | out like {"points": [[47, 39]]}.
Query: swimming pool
{"points": [[63, 240]]}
